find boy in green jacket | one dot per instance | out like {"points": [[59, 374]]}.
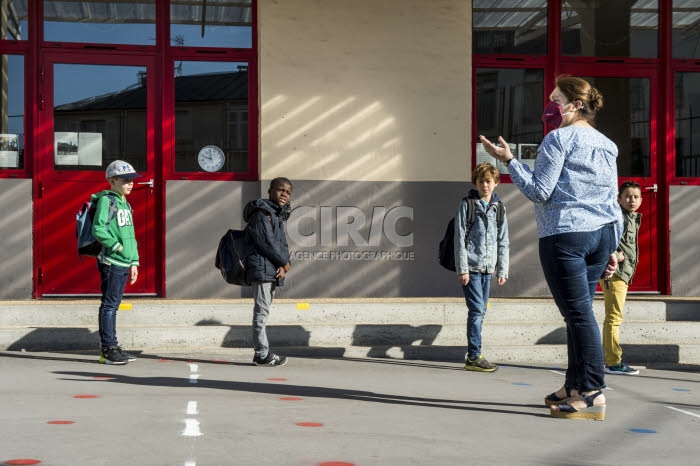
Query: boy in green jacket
{"points": [[615, 289], [119, 259]]}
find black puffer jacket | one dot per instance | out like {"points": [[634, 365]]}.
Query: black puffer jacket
{"points": [[266, 233]]}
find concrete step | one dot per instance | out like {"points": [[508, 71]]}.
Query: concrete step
{"points": [[514, 330]]}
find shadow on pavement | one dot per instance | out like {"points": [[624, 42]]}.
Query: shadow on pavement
{"points": [[309, 391]]}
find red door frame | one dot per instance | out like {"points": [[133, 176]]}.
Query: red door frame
{"points": [[44, 167]]}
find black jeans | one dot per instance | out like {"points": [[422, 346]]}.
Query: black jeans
{"points": [[572, 265]]}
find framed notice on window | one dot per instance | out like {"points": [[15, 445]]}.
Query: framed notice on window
{"points": [[9, 151]]}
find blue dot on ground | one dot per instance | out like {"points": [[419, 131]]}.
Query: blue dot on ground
{"points": [[682, 389], [523, 384], [643, 431]]}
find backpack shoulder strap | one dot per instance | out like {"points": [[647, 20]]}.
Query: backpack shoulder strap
{"points": [[471, 212], [112, 208], [500, 214]]}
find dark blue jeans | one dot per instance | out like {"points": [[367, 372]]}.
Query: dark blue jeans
{"points": [[476, 292], [572, 265], [113, 284]]}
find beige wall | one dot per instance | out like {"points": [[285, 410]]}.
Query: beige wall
{"points": [[685, 247], [365, 90]]}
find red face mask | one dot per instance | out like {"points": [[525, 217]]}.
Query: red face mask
{"points": [[552, 116]]}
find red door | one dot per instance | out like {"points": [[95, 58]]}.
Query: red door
{"points": [[628, 117], [93, 109]]}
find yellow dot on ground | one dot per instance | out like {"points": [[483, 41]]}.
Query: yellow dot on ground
{"points": [[302, 306], [125, 307], [488, 304]]}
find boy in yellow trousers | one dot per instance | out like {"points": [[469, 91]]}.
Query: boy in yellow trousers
{"points": [[615, 289]]}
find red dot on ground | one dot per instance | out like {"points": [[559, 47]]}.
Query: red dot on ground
{"points": [[164, 360], [291, 398], [22, 461], [102, 377], [61, 422], [219, 361], [309, 424], [277, 379], [85, 396], [335, 463]]}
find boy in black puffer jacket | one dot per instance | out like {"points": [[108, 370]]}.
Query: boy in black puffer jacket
{"points": [[269, 262]]}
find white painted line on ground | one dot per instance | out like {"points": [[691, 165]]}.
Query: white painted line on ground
{"points": [[193, 378], [193, 367], [190, 463], [557, 372], [191, 428], [192, 408], [682, 411]]}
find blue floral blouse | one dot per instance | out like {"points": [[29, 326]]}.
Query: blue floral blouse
{"points": [[574, 184]]}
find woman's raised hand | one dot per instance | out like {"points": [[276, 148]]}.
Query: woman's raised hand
{"points": [[501, 153]]}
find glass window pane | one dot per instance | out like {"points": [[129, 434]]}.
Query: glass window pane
{"points": [[211, 113], [601, 28], [100, 22], [509, 26], [99, 116], [12, 112], [625, 119], [211, 23], [13, 19], [687, 124], [686, 35], [509, 103]]}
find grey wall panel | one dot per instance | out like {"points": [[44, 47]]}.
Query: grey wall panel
{"points": [[199, 212], [16, 232], [685, 247]]}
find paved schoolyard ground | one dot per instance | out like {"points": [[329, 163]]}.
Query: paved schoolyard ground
{"points": [[217, 409]]}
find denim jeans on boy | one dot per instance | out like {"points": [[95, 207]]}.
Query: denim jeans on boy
{"points": [[113, 283], [476, 292], [263, 294], [572, 265]]}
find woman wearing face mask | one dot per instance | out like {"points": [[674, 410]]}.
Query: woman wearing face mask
{"points": [[579, 224]]}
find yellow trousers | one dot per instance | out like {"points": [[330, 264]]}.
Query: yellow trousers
{"points": [[615, 297]]}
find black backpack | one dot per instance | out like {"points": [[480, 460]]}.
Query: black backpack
{"points": [[446, 252], [230, 258]]}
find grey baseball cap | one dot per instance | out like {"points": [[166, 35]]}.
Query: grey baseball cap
{"points": [[121, 169]]}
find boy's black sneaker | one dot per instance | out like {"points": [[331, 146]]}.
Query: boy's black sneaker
{"points": [[270, 360], [479, 364], [112, 356], [129, 357]]}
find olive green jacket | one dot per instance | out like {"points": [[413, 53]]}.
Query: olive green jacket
{"points": [[628, 246]]}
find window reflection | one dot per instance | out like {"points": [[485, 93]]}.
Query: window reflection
{"points": [[13, 19], [509, 103], [686, 35], [211, 109], [687, 124], [625, 119], [610, 29], [509, 27], [118, 22], [11, 112], [99, 116], [211, 23]]}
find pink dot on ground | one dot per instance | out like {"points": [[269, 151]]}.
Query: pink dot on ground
{"points": [[22, 461], [309, 424], [277, 379], [61, 422], [335, 463], [291, 398], [164, 360], [85, 396], [219, 361]]}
